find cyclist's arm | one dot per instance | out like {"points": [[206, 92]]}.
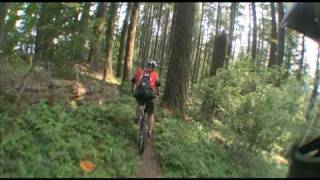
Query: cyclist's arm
{"points": [[133, 81]]}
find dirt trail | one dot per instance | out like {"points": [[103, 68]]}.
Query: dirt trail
{"points": [[149, 165]]}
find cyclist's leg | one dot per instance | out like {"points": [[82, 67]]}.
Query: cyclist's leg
{"points": [[150, 116], [139, 108]]}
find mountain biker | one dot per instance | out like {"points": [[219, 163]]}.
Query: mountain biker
{"points": [[149, 77]]}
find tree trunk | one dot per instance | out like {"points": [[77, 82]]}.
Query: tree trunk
{"points": [[204, 61], [149, 36], [175, 94], [261, 44], [3, 14], [173, 23], [108, 71], [281, 34], [143, 33], [194, 72], [83, 33], [218, 59], [231, 30], [44, 49], [95, 49], [198, 61], [273, 44], [155, 50], [147, 50], [164, 42], [85, 17], [130, 42], [288, 54], [288, 59], [254, 33], [219, 53], [301, 69], [250, 28], [218, 19], [206, 52], [315, 88], [124, 35]]}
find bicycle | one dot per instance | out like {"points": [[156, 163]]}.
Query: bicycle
{"points": [[142, 129]]}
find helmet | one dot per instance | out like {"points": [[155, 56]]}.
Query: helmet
{"points": [[152, 63]]}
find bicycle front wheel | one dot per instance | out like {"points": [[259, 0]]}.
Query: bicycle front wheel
{"points": [[142, 135]]}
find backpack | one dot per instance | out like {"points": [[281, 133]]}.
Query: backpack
{"points": [[144, 90]]}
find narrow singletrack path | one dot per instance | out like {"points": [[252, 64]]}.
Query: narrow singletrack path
{"points": [[149, 164]]}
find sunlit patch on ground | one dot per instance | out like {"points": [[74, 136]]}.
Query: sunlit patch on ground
{"points": [[216, 136], [83, 70], [279, 159]]}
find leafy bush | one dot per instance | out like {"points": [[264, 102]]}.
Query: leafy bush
{"points": [[49, 141], [264, 113], [186, 150]]}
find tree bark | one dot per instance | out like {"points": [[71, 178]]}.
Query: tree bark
{"points": [[155, 50], [198, 61], [130, 42], [218, 60], [95, 49], [288, 65], [194, 72], [289, 45], [219, 53], [301, 69], [273, 44], [173, 23], [146, 52], [108, 71], [124, 35], [206, 50], [250, 29], [3, 14], [218, 19], [164, 42], [175, 94], [143, 33], [233, 13], [281, 36], [254, 33], [84, 21], [261, 44], [44, 49]]}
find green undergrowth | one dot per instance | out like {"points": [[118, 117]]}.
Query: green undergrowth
{"points": [[185, 150], [51, 141]]}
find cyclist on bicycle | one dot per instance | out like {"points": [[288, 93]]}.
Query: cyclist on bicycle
{"points": [[145, 87]]}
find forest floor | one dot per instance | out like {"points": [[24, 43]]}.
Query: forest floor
{"points": [[35, 85], [149, 163], [89, 88]]}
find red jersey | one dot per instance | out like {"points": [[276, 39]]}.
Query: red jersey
{"points": [[154, 79]]}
